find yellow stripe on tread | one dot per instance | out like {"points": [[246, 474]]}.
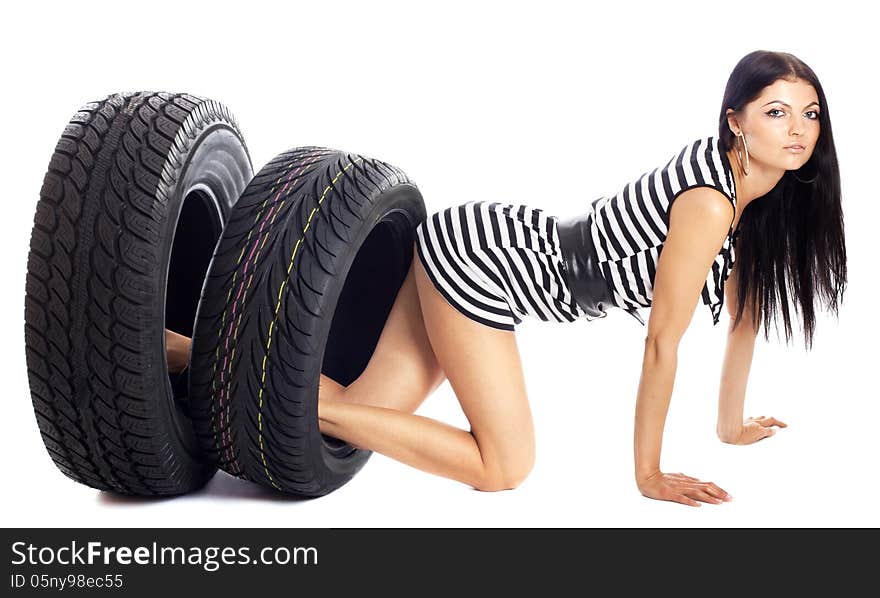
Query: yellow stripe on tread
{"points": [[275, 317]]}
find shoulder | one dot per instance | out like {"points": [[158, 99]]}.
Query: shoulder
{"points": [[701, 207], [698, 223]]}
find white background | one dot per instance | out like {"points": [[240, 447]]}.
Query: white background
{"points": [[549, 104]]}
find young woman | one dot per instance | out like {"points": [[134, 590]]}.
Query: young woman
{"points": [[766, 188]]}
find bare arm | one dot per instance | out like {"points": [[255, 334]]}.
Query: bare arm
{"points": [[732, 427], [177, 351], [737, 363], [698, 223]]}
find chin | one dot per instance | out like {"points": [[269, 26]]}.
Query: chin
{"points": [[795, 162]]}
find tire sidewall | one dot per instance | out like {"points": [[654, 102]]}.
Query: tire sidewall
{"points": [[403, 201], [217, 145]]}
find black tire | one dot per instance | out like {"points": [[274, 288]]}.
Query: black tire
{"points": [[130, 210], [301, 283]]}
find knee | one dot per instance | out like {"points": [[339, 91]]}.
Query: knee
{"points": [[509, 476]]}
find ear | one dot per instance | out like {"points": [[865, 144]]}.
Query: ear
{"points": [[732, 123]]}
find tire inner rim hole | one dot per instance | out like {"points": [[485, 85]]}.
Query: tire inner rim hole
{"points": [[378, 271], [198, 228]]}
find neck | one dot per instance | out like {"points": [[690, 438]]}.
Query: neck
{"points": [[760, 180]]}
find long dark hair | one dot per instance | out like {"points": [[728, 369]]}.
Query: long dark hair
{"points": [[791, 239]]}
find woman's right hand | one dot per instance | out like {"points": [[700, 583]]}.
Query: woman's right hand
{"points": [[678, 487]]}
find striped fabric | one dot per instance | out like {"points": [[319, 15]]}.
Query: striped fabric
{"points": [[630, 228], [497, 263]]}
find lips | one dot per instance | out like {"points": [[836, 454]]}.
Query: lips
{"points": [[794, 146]]}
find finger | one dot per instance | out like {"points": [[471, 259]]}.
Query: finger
{"points": [[697, 483], [702, 495], [686, 500], [767, 433], [709, 489], [715, 490], [711, 498]]}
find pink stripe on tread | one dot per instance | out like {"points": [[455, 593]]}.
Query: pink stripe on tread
{"points": [[224, 394]]}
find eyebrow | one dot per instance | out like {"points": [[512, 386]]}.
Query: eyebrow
{"points": [[786, 105]]}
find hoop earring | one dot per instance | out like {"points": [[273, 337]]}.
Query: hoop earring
{"points": [[745, 150]]}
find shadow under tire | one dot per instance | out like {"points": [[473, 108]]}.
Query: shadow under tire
{"points": [[302, 282], [133, 202]]}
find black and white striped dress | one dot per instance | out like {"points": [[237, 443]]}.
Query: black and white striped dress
{"points": [[497, 262], [630, 228]]}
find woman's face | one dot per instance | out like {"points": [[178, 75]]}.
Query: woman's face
{"points": [[786, 113]]}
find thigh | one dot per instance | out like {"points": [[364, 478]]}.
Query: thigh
{"points": [[483, 366], [402, 372]]}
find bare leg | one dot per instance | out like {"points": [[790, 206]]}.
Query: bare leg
{"points": [[403, 371], [484, 369]]}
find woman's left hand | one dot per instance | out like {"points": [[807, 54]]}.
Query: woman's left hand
{"points": [[758, 428]]}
